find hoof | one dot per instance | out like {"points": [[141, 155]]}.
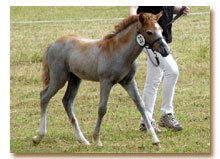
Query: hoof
{"points": [[157, 144], [85, 142], [98, 143], [37, 139]]}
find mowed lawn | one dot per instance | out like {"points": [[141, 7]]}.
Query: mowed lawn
{"points": [[120, 129]]}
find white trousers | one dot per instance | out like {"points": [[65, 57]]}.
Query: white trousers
{"points": [[167, 67]]}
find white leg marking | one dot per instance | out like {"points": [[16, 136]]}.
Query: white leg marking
{"points": [[153, 136], [42, 130], [78, 133]]}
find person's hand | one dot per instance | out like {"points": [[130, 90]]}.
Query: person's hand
{"points": [[186, 11], [177, 9]]}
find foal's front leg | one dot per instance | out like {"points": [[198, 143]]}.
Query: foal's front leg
{"points": [[131, 87], [105, 88]]}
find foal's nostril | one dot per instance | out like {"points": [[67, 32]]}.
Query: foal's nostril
{"points": [[166, 51]]}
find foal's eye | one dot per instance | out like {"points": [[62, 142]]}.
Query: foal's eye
{"points": [[149, 32]]}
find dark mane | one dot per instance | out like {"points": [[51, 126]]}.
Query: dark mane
{"points": [[123, 25]]}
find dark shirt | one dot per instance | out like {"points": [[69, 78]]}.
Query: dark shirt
{"points": [[166, 18]]}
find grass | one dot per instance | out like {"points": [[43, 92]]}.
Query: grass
{"points": [[119, 133]]}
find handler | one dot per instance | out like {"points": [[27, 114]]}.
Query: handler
{"points": [[166, 66]]}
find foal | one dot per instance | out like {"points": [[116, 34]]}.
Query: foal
{"points": [[109, 60]]}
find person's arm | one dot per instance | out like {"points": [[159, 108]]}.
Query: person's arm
{"points": [[132, 10], [177, 9]]}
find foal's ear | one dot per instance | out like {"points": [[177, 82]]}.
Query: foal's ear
{"points": [[159, 15], [141, 17]]}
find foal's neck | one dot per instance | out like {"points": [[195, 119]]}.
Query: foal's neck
{"points": [[131, 49]]}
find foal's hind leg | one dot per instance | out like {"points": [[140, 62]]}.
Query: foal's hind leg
{"points": [[68, 102], [56, 83]]}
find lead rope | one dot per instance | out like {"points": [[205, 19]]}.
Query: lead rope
{"points": [[156, 58], [179, 14]]}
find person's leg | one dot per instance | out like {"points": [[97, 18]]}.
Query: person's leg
{"points": [[169, 67], [153, 78], [171, 73]]}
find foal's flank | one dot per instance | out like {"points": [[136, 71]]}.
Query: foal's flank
{"points": [[109, 60]]}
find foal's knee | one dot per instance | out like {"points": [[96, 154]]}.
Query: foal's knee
{"points": [[102, 111]]}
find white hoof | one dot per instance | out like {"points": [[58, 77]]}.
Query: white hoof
{"points": [[154, 140], [98, 143], [37, 139], [85, 142], [157, 144], [153, 136]]}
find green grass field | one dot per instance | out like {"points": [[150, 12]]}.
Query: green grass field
{"points": [[120, 129]]}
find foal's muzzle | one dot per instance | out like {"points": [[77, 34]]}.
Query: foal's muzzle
{"points": [[163, 48]]}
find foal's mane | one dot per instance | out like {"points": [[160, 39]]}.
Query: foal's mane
{"points": [[123, 25]]}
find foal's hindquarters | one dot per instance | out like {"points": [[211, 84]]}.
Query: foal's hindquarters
{"points": [[57, 73]]}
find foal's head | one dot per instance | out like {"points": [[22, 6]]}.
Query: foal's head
{"points": [[152, 33]]}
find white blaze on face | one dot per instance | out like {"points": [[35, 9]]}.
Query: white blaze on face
{"points": [[158, 31], [163, 40], [157, 26]]}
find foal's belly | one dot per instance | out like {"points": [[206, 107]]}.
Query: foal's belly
{"points": [[85, 75], [84, 67]]}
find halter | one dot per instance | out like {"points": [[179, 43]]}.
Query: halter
{"points": [[142, 42]]}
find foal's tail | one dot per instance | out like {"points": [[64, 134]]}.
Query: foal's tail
{"points": [[45, 78]]}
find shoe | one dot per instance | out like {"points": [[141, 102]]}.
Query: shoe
{"points": [[142, 127], [170, 122], [154, 125]]}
